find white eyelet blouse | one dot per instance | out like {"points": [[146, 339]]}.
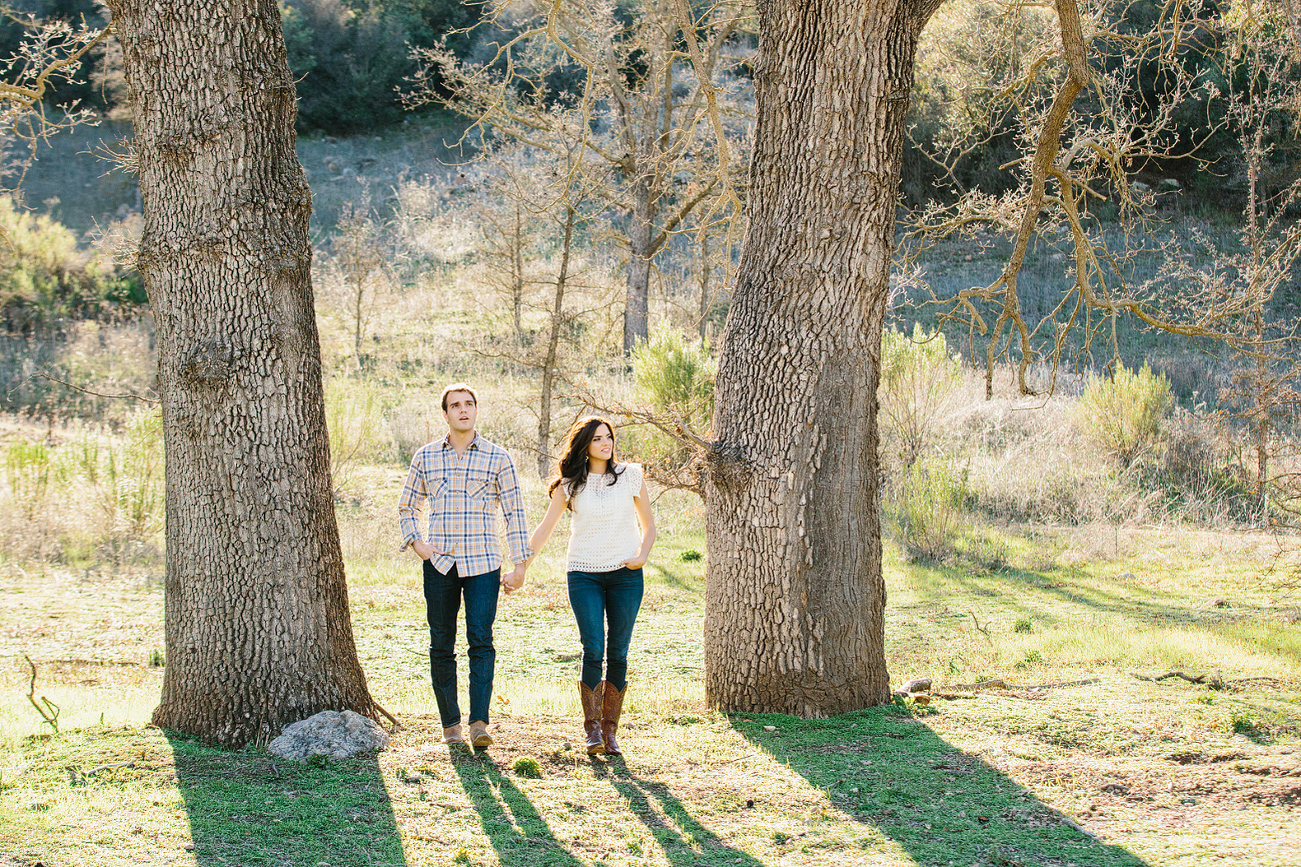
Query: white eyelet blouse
{"points": [[603, 530]]}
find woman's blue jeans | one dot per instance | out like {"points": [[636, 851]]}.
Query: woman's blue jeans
{"points": [[598, 599], [442, 603]]}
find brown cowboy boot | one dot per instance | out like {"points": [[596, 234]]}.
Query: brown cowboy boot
{"points": [[611, 710], [592, 716]]}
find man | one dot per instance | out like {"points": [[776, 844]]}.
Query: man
{"points": [[465, 479]]}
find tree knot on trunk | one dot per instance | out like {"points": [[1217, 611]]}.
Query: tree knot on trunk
{"points": [[209, 365], [729, 466]]}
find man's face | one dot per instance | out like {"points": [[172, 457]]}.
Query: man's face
{"points": [[461, 412]]}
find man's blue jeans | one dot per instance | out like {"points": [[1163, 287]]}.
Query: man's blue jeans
{"points": [[599, 598], [442, 603]]}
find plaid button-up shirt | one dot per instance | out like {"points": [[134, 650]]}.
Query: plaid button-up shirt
{"points": [[464, 493]]}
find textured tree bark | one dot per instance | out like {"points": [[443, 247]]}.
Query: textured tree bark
{"points": [[257, 625], [795, 600]]}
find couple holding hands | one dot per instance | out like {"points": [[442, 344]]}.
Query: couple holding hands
{"points": [[464, 480]]}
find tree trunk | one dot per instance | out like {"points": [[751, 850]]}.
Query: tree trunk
{"points": [[257, 624], [517, 270], [701, 323], [794, 618], [553, 346], [636, 317]]}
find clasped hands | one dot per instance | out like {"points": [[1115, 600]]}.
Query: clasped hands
{"points": [[510, 581], [514, 579]]}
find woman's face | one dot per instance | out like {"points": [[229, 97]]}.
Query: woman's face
{"points": [[602, 445]]}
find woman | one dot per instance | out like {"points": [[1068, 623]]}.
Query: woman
{"points": [[611, 535]]}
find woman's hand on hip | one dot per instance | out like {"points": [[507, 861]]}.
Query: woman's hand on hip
{"points": [[635, 562]]}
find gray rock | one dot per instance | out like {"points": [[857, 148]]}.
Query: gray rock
{"points": [[329, 733]]}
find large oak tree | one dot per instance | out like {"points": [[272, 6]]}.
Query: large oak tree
{"points": [[257, 624], [795, 600]]}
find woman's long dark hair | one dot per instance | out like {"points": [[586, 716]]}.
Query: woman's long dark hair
{"points": [[571, 469]]}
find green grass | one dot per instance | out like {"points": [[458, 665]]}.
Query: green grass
{"points": [[1167, 773], [1103, 769]]}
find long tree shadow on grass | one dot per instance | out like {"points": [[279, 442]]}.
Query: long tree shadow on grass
{"points": [[685, 841], [512, 824], [943, 806], [1032, 593], [250, 808]]}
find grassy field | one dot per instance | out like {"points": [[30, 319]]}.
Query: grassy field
{"points": [[1063, 755], [1073, 761]]}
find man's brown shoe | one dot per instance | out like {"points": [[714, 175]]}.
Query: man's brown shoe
{"points": [[452, 735], [479, 736]]}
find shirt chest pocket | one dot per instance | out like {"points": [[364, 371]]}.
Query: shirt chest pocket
{"points": [[478, 484]]}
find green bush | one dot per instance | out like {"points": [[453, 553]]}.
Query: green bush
{"points": [[917, 376], [123, 476], [27, 469], [350, 58], [1125, 415], [675, 377], [924, 511], [359, 432], [44, 277], [678, 374], [527, 766], [133, 477]]}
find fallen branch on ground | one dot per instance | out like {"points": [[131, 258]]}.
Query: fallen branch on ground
{"points": [[50, 712], [1191, 678], [397, 726], [77, 777], [996, 683], [1214, 681], [920, 684], [999, 683]]}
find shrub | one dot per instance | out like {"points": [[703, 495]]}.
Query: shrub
{"points": [[677, 374], [1197, 470], [350, 59], [1243, 722], [124, 476], [1125, 415], [675, 377], [1030, 660], [925, 511], [527, 766], [918, 375], [359, 434], [44, 277], [27, 469], [133, 476]]}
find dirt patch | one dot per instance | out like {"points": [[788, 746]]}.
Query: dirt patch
{"points": [[1282, 795]]}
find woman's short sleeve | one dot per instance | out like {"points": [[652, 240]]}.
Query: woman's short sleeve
{"points": [[636, 475]]}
